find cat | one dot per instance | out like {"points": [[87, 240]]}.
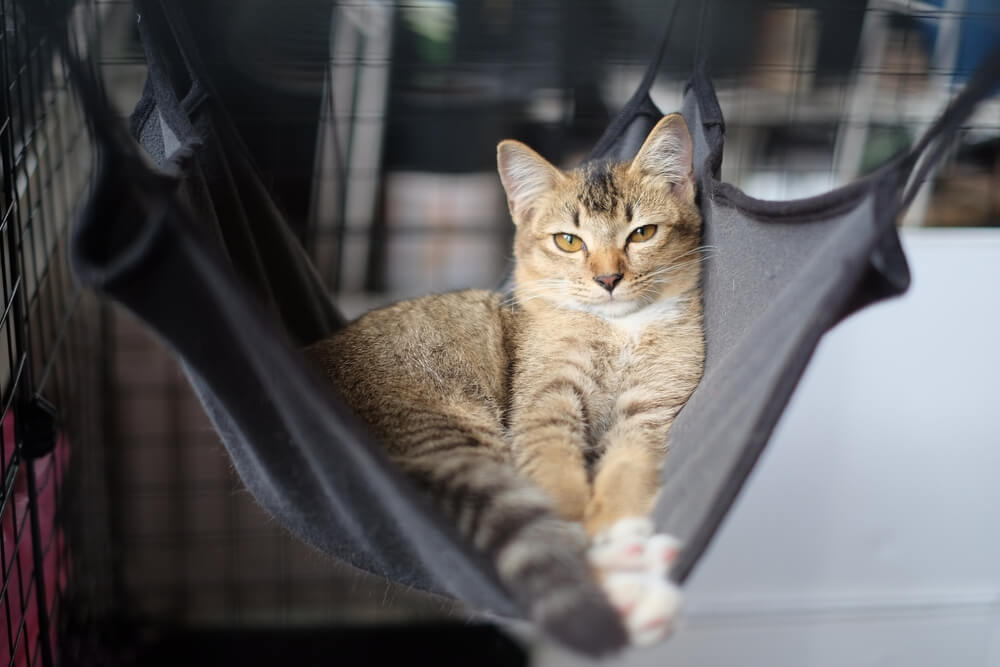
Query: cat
{"points": [[538, 420]]}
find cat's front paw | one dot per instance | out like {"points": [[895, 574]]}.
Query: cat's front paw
{"points": [[632, 564]]}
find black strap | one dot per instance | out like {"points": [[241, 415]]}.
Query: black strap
{"points": [[912, 166], [179, 40], [186, 48], [701, 48], [639, 103], [981, 85], [654, 65]]}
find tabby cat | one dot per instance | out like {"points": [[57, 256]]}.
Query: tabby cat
{"points": [[530, 416]]}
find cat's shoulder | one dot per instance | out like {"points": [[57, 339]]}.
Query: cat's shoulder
{"points": [[440, 303], [459, 310]]}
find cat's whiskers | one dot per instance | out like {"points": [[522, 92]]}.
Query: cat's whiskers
{"points": [[700, 249], [534, 289], [703, 253], [647, 286], [675, 267], [520, 298], [543, 290]]}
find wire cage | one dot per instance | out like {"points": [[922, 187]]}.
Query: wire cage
{"points": [[50, 374], [126, 537]]}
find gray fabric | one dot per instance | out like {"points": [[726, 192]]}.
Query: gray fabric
{"points": [[758, 285], [170, 142], [776, 276], [200, 253]]}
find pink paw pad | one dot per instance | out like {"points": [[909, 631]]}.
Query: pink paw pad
{"points": [[652, 619], [633, 563], [661, 551]]}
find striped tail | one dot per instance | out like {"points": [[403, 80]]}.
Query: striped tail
{"points": [[540, 558]]}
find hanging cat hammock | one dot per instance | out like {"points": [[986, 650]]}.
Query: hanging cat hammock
{"points": [[197, 250]]}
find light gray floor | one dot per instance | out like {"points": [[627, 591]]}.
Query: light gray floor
{"points": [[869, 534]]}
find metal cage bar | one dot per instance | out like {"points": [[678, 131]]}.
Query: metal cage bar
{"points": [[46, 162]]}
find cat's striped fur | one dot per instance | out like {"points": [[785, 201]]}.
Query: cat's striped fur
{"points": [[530, 416]]}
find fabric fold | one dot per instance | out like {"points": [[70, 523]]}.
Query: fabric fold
{"points": [[197, 249]]}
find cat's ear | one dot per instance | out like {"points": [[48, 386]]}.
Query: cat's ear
{"points": [[525, 175], [668, 153]]}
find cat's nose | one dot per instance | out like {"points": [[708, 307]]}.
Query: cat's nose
{"points": [[609, 280]]}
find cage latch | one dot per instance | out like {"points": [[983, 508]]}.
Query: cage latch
{"points": [[38, 424]]}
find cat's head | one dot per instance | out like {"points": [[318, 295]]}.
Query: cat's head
{"points": [[609, 239]]}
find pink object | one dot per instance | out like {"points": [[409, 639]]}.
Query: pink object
{"points": [[19, 602]]}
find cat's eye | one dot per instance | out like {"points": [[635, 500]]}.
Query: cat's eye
{"points": [[643, 233], [568, 242]]}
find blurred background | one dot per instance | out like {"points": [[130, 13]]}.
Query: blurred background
{"points": [[126, 537]]}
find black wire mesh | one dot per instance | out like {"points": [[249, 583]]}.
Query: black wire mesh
{"points": [[48, 407]]}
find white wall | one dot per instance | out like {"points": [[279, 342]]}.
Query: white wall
{"points": [[869, 533]]}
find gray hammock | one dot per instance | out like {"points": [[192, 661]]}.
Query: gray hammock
{"points": [[197, 250]]}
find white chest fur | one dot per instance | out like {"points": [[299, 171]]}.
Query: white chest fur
{"points": [[661, 312]]}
